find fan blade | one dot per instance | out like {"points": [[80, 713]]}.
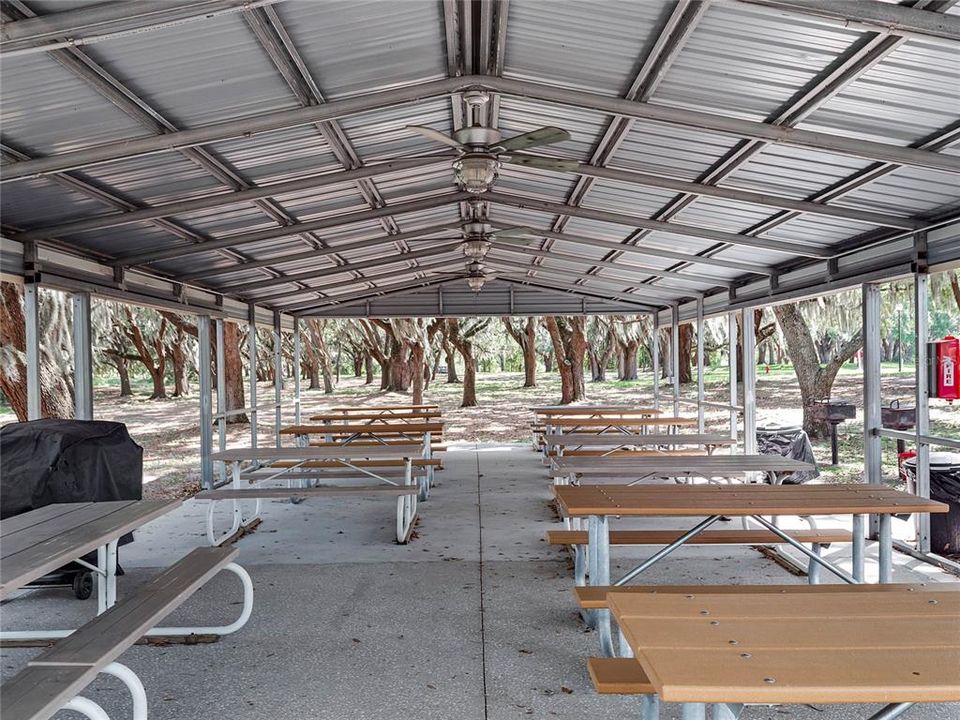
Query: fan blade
{"points": [[515, 241], [541, 136], [436, 135], [508, 232], [543, 163]]}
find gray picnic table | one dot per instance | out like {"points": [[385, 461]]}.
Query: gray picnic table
{"points": [[36, 542], [390, 465], [612, 442]]}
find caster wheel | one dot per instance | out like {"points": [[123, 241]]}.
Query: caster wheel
{"points": [[83, 585]]}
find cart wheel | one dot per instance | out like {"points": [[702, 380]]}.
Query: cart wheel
{"points": [[83, 585]]}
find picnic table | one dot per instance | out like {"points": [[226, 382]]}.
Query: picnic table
{"points": [[608, 443], [846, 645], [714, 502], [41, 540], [300, 467], [634, 470], [385, 410]]}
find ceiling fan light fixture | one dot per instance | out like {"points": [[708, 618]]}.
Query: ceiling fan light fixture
{"points": [[475, 282], [476, 173], [476, 249]]}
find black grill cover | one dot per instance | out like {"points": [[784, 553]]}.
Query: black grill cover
{"points": [[50, 461]]}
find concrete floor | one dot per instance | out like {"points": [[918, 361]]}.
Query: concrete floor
{"points": [[472, 620]]}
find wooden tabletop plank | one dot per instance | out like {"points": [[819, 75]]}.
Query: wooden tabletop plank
{"points": [[616, 422], [397, 418], [383, 408], [33, 518], [118, 518], [694, 464], [364, 429], [37, 693], [61, 524], [344, 452], [862, 645], [612, 440], [561, 410], [736, 500]]}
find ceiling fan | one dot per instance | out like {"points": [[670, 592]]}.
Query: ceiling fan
{"points": [[476, 275], [482, 150], [478, 233]]}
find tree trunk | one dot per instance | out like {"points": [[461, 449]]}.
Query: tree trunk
{"points": [[327, 372], [416, 361], [368, 369], [548, 362], [815, 381], [955, 286], [451, 360], [156, 368], [233, 373], [469, 378], [178, 357], [313, 374], [122, 365], [569, 346], [628, 360], [56, 392]]}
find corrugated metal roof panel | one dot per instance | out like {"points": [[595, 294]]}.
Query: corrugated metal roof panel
{"points": [[279, 155], [585, 127], [586, 46], [670, 150], [40, 202], [743, 62], [908, 95], [382, 134], [620, 197], [47, 110], [156, 179], [198, 73], [358, 46], [910, 191], [534, 183]]}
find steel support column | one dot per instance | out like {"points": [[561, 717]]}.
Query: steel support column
{"points": [[655, 359], [872, 450], [221, 398], [921, 332], [82, 358], [675, 356], [31, 313], [277, 377], [700, 395], [749, 383], [206, 402], [732, 362], [252, 362], [296, 371]]}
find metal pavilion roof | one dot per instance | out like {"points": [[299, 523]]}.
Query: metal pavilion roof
{"points": [[217, 153]]}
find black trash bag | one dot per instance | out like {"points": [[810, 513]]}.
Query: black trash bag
{"points": [[789, 442], [58, 461], [944, 475]]}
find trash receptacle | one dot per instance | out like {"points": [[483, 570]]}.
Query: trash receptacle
{"points": [[945, 488], [789, 441]]}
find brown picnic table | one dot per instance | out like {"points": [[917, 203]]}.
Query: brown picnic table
{"points": [[714, 502], [728, 648], [394, 418], [634, 470]]}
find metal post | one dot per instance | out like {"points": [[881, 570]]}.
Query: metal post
{"points": [[82, 358], [921, 325], [655, 358], [277, 377], [732, 361], [675, 356], [252, 361], [700, 397], [871, 392], [206, 403], [296, 371], [31, 312], [221, 397], [749, 383]]}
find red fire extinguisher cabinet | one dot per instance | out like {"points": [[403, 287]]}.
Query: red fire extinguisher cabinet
{"points": [[945, 368]]}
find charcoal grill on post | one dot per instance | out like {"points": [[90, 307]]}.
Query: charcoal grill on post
{"points": [[898, 417], [833, 412]]}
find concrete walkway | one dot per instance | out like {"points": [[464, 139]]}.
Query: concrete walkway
{"points": [[472, 620]]}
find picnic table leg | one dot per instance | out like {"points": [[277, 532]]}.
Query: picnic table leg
{"points": [[858, 548], [86, 707], [693, 711], [726, 711], [649, 707], [885, 550], [107, 577], [894, 710], [598, 534], [428, 478], [129, 678], [808, 552]]}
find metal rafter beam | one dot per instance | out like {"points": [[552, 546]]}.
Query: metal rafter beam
{"points": [[372, 279], [278, 260], [153, 256], [883, 16], [698, 279], [103, 20], [353, 297], [789, 248], [386, 259], [614, 106], [579, 290], [656, 252]]}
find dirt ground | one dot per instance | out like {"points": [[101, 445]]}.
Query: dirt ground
{"points": [[168, 432]]}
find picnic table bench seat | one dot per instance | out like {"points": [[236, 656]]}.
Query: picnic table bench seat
{"points": [[280, 492], [687, 452], [416, 462], [436, 445], [594, 597], [707, 537], [55, 677], [618, 676]]}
